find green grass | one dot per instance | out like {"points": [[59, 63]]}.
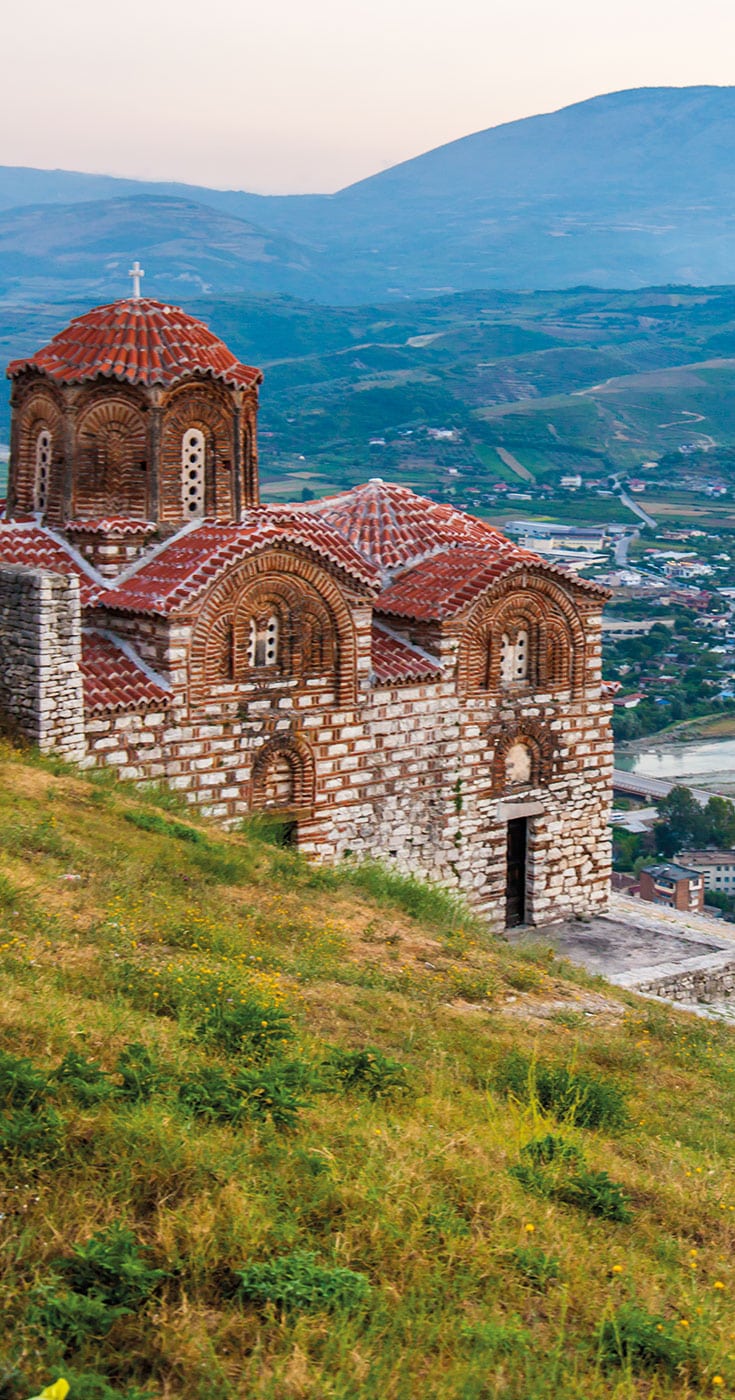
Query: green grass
{"points": [[261, 1134]]}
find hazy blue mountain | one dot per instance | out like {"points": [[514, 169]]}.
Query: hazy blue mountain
{"points": [[625, 190], [188, 250]]}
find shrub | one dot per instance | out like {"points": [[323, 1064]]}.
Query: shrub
{"points": [[596, 1193], [261, 1092], [139, 1075], [245, 1027], [554, 1168], [111, 1266], [83, 1079], [295, 1282], [542, 1151], [635, 1337], [21, 1084], [28, 1127], [582, 1098], [536, 1267], [368, 1072], [30, 1134], [72, 1317], [210, 1093]]}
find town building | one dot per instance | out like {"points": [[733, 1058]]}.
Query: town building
{"points": [[717, 868], [677, 886], [386, 676]]}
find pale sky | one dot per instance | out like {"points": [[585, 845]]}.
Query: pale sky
{"points": [[287, 96]]}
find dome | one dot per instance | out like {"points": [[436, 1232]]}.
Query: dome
{"points": [[137, 341]]}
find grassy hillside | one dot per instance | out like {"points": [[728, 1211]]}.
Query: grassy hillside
{"points": [[274, 1132]]}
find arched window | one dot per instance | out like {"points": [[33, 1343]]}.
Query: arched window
{"points": [[263, 641], [192, 473], [514, 658], [43, 470]]}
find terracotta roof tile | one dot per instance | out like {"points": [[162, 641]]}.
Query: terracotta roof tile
{"points": [[178, 573], [394, 527], [138, 341], [36, 548], [112, 679], [394, 659], [444, 584]]}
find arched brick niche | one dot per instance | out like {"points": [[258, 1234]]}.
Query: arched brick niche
{"points": [[37, 476], [527, 635], [111, 467], [198, 453], [274, 617], [284, 776], [523, 757]]}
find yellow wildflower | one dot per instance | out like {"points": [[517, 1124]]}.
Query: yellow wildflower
{"points": [[530, 1228], [58, 1391], [718, 1284], [617, 1269]]}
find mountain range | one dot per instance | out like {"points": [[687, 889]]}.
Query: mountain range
{"points": [[625, 190]]}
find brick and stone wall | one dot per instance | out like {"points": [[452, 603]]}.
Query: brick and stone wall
{"points": [[40, 650], [424, 774], [405, 773]]}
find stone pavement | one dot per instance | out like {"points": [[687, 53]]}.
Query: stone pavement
{"points": [[639, 945]]}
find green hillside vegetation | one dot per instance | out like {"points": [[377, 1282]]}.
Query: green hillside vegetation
{"points": [[275, 1131], [582, 381]]}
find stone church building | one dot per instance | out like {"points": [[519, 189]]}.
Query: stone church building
{"points": [[387, 675]]}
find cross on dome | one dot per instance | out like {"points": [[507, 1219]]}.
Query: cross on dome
{"points": [[136, 272]]}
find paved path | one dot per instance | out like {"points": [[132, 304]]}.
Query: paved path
{"points": [[638, 943]]}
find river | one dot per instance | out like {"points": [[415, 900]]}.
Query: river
{"points": [[707, 763]]}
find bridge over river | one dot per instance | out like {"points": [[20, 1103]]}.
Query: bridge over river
{"points": [[635, 785]]}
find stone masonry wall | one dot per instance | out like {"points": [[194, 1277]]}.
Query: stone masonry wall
{"points": [[407, 774], [40, 649]]}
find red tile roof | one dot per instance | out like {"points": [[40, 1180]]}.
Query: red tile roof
{"points": [[36, 548], [138, 341], [442, 585], [394, 527], [394, 659], [177, 574], [113, 680], [112, 525]]}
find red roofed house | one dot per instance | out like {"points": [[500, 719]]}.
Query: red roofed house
{"points": [[389, 676]]}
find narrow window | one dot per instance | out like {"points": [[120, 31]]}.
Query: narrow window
{"points": [[520, 660], [192, 473], [263, 641], [43, 470], [506, 660]]}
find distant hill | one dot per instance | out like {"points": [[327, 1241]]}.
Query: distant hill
{"points": [[84, 249], [629, 189]]}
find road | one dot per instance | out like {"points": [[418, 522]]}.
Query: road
{"points": [[631, 504], [622, 545], [635, 785]]}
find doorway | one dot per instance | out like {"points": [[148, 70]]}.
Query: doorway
{"points": [[515, 887]]}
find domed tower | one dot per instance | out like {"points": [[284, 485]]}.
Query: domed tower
{"points": [[137, 415]]}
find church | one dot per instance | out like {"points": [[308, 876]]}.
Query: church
{"points": [[385, 675]]}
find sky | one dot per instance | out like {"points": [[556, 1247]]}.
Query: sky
{"points": [[291, 96]]}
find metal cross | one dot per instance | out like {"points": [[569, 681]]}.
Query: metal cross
{"points": [[136, 272]]}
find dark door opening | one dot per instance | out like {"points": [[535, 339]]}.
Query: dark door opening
{"points": [[515, 888]]}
